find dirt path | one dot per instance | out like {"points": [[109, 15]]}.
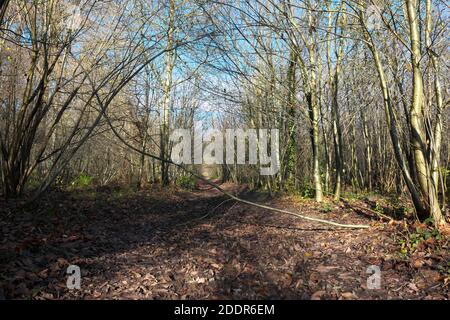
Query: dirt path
{"points": [[180, 245]]}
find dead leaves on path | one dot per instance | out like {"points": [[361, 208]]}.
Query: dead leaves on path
{"points": [[153, 246]]}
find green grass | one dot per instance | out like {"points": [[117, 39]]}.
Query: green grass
{"points": [[186, 182], [83, 181]]}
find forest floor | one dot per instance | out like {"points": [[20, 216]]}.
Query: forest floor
{"points": [[172, 244]]}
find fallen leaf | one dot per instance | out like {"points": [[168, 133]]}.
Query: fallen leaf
{"points": [[413, 286], [348, 296], [317, 295]]}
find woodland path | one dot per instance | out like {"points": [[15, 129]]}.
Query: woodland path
{"points": [[172, 244]]}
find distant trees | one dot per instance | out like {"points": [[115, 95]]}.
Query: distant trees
{"points": [[356, 88]]}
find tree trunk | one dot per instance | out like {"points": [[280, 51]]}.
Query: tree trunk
{"points": [[170, 61], [418, 135]]}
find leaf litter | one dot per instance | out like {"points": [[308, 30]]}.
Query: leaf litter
{"points": [[172, 244]]}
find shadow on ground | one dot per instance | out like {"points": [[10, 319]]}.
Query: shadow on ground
{"points": [[185, 245]]}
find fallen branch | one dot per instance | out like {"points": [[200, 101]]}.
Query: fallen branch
{"points": [[379, 214], [205, 215], [353, 206]]}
